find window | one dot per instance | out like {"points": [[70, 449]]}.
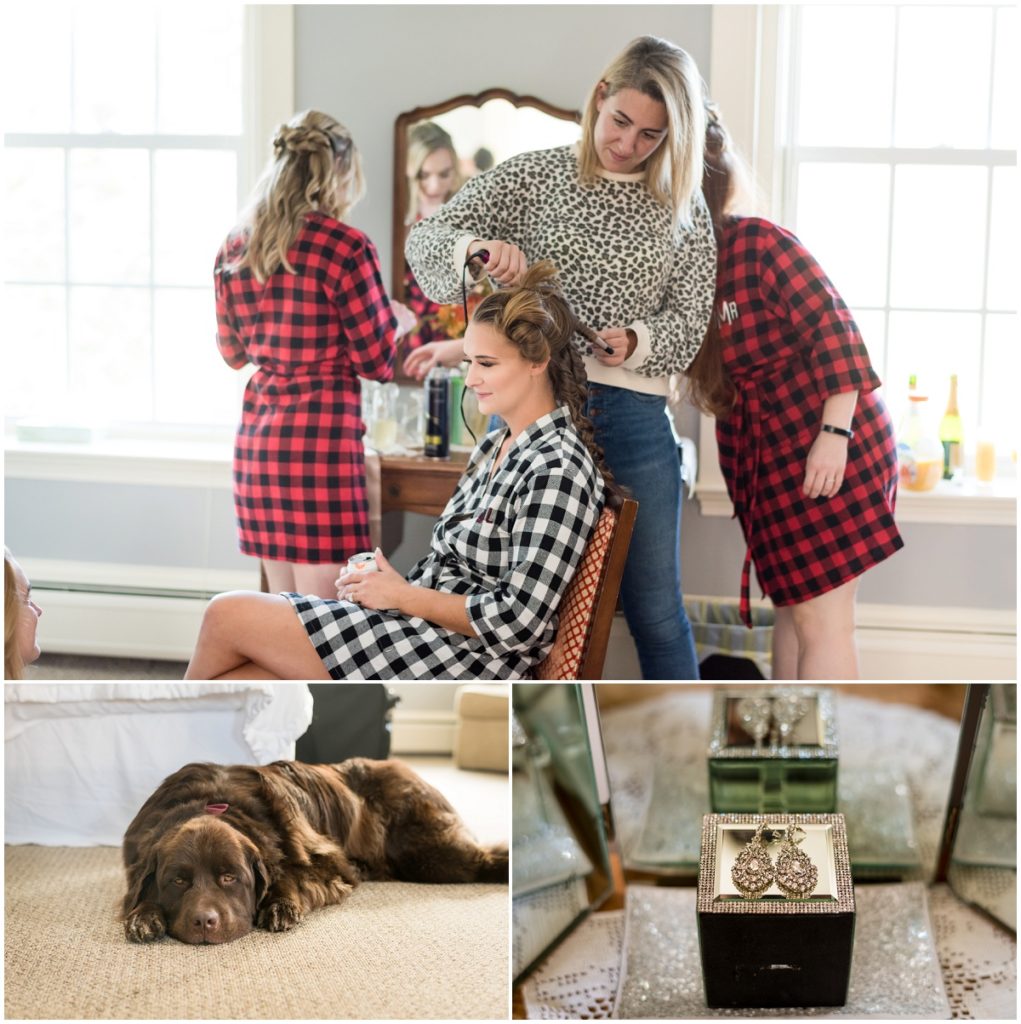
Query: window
{"points": [[124, 153], [902, 180]]}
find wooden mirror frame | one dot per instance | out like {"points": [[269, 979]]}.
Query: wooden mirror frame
{"points": [[410, 117]]}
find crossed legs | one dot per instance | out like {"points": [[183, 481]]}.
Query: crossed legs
{"points": [[815, 639], [247, 635]]}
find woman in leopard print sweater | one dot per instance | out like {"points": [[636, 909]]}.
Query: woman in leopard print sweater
{"points": [[622, 217]]}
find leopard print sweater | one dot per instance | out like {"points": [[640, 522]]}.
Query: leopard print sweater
{"points": [[623, 260]]}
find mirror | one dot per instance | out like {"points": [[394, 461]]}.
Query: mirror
{"points": [[436, 149], [562, 827], [982, 855]]}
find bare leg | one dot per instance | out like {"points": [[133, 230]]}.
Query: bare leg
{"points": [[825, 629], [785, 644], [244, 631], [319, 580], [279, 577]]}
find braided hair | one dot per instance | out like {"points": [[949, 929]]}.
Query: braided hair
{"points": [[315, 166], [534, 316]]}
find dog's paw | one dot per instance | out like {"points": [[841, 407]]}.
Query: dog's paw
{"points": [[279, 916], [146, 924]]}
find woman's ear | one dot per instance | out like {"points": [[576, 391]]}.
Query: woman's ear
{"points": [[536, 369], [601, 94]]}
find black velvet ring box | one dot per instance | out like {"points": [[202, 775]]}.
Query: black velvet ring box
{"points": [[774, 951]]}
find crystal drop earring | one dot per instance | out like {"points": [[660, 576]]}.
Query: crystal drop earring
{"points": [[752, 872], [796, 875]]}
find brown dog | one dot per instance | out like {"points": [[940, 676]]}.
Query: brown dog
{"points": [[217, 849]]}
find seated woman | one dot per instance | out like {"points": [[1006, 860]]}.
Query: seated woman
{"points": [[483, 603], [21, 618]]}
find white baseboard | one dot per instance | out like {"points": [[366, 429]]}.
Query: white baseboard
{"points": [[894, 642]]}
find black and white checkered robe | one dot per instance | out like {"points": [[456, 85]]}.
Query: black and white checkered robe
{"points": [[510, 542]]}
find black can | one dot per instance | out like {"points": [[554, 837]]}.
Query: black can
{"points": [[437, 413]]}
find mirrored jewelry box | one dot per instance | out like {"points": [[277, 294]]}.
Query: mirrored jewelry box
{"points": [[775, 910], [773, 750]]}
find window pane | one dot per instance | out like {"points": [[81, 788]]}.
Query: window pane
{"points": [[111, 352], [938, 237], [999, 380], [1004, 133], [34, 215], [195, 67], [109, 201], [833, 40], [35, 351], [1002, 292], [933, 346], [872, 324], [193, 384], [194, 206], [842, 217], [943, 76], [114, 68], [37, 68]]}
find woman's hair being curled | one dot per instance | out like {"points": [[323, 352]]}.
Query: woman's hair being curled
{"points": [[535, 317], [315, 166]]}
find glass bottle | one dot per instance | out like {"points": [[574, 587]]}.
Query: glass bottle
{"points": [[919, 451], [951, 433]]}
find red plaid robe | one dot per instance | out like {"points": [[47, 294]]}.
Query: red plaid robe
{"points": [[299, 467], [789, 343]]}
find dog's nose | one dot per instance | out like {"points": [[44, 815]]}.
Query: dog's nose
{"points": [[206, 923]]}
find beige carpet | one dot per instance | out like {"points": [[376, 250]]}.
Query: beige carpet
{"points": [[392, 951]]}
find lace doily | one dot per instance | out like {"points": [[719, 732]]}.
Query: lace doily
{"points": [[585, 974], [978, 959]]}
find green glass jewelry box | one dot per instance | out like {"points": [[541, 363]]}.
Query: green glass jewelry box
{"points": [[793, 772], [774, 951]]}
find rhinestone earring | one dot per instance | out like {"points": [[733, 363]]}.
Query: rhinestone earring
{"points": [[796, 875], [752, 872]]}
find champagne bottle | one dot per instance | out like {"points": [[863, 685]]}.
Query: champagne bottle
{"points": [[951, 433]]}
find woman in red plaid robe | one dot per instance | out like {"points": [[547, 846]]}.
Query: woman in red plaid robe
{"points": [[299, 293], [806, 444]]}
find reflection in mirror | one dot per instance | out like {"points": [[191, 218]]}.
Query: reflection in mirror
{"points": [[983, 865], [438, 148], [561, 821]]}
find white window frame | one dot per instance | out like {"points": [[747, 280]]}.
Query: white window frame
{"points": [[749, 77], [163, 453]]}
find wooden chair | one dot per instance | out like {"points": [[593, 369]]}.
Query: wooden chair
{"points": [[588, 607]]}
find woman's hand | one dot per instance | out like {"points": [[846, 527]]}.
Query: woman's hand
{"points": [[406, 320], [621, 339], [419, 361], [506, 263], [824, 468], [380, 590]]}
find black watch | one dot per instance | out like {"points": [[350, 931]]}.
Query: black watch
{"points": [[830, 429]]}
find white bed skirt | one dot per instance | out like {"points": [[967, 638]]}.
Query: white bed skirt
{"points": [[81, 758]]}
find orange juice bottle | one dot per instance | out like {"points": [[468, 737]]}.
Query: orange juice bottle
{"points": [[919, 450]]}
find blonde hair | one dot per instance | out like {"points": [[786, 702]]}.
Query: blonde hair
{"points": [[315, 166], [534, 316], [424, 139], [14, 666], [658, 69]]}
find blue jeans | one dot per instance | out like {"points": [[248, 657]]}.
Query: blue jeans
{"points": [[640, 450]]}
